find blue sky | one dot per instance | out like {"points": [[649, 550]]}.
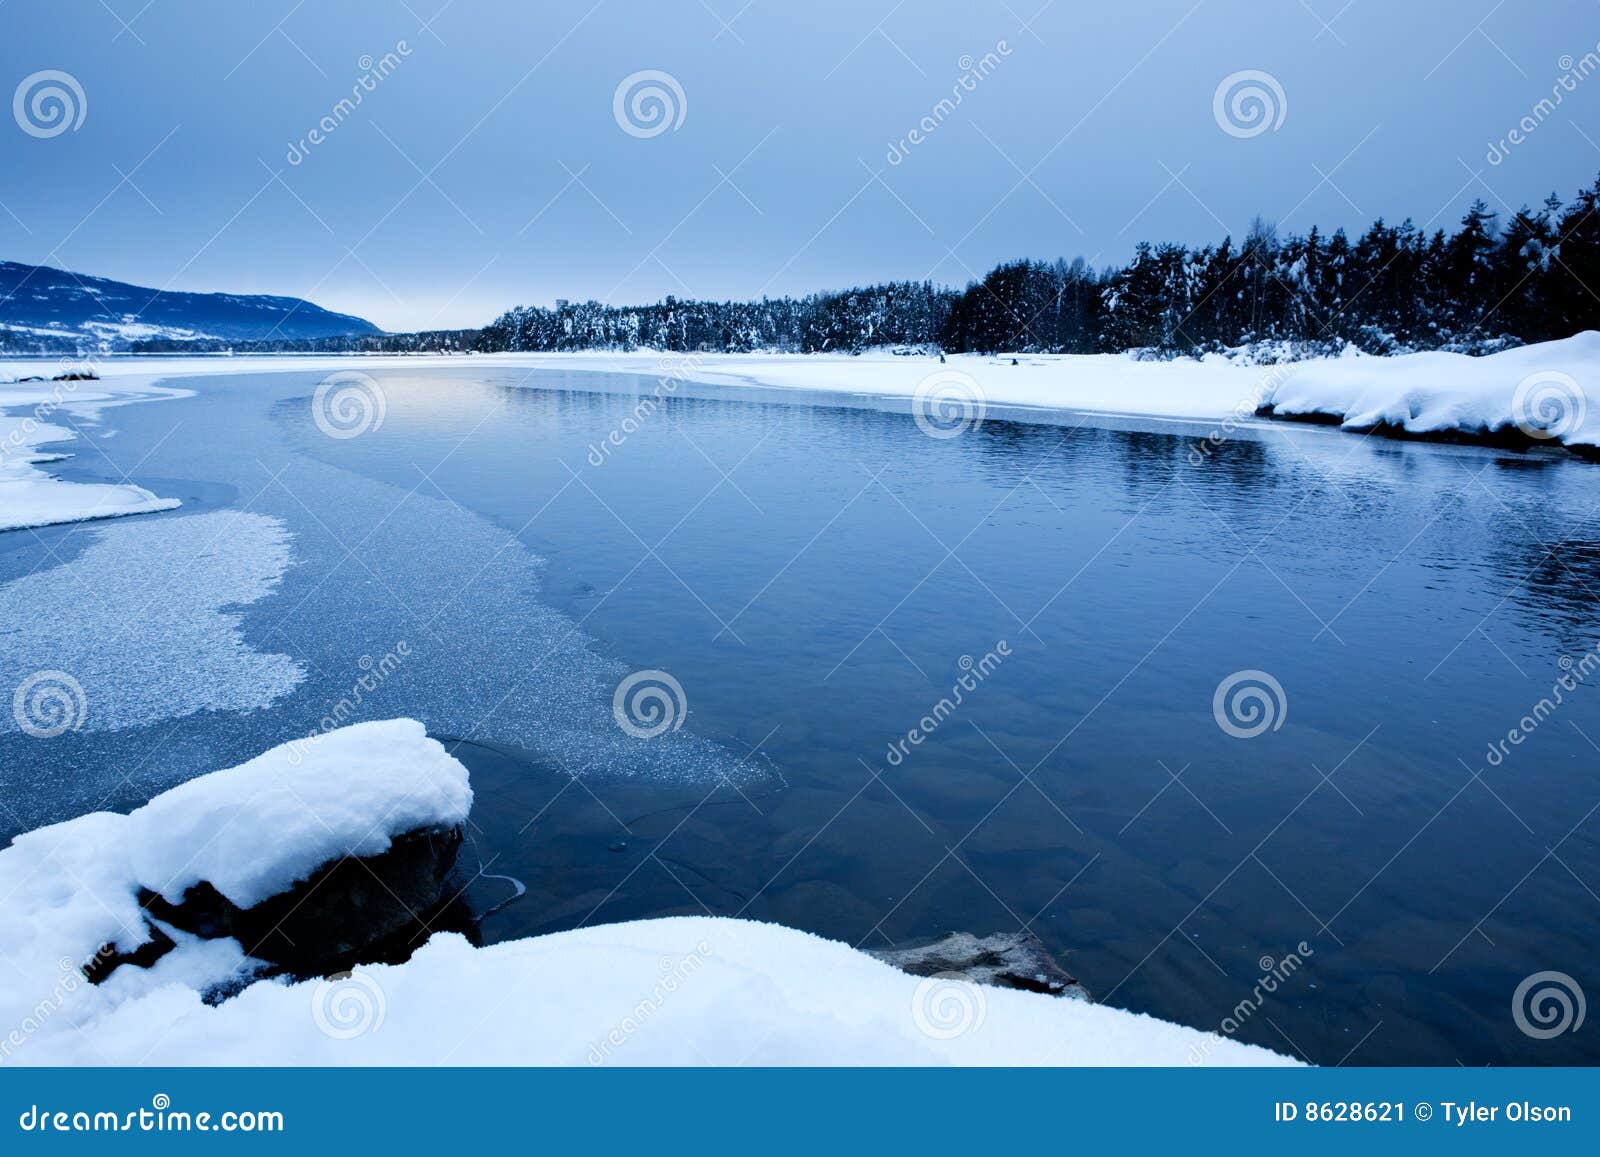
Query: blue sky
{"points": [[488, 169]]}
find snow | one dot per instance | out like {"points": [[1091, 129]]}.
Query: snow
{"points": [[684, 990], [1552, 389], [30, 497], [130, 330], [672, 991], [254, 830], [1421, 393], [132, 654]]}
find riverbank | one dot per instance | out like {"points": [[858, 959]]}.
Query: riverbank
{"points": [[1539, 395]]}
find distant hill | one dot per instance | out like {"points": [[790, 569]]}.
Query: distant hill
{"points": [[48, 310]]}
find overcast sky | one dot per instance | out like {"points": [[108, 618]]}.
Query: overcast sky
{"points": [[489, 167]]}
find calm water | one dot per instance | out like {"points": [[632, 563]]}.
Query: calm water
{"points": [[817, 574]]}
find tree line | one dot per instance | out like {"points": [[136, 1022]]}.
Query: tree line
{"points": [[1487, 284]]}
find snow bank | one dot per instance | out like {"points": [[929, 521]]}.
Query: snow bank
{"points": [[1115, 383], [30, 496], [673, 991], [1111, 382], [687, 990], [1546, 392]]}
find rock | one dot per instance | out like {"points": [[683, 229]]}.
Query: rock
{"points": [[106, 961], [345, 907], [1004, 960]]}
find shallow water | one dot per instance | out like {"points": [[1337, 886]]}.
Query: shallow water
{"points": [[817, 574]]}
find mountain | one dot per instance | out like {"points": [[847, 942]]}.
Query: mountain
{"points": [[50, 310]]}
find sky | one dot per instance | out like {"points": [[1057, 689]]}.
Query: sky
{"points": [[495, 156]]}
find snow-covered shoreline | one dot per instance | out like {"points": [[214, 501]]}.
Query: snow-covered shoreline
{"points": [[1546, 393], [31, 497], [699, 990]]}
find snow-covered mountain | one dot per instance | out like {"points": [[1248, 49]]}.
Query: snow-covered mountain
{"points": [[44, 307]]}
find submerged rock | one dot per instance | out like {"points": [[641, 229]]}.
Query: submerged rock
{"points": [[1005, 960]]}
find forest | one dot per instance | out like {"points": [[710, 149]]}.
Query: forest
{"points": [[1487, 284]]}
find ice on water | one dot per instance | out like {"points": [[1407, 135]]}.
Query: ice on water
{"points": [[146, 621]]}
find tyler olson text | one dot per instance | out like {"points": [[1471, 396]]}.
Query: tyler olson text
{"points": [[1472, 1113]]}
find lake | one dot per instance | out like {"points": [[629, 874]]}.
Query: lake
{"points": [[817, 575]]}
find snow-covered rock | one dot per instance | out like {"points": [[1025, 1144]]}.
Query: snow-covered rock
{"points": [[70, 893], [364, 825], [253, 830]]}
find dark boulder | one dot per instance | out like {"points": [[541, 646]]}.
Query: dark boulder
{"points": [[344, 908]]}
